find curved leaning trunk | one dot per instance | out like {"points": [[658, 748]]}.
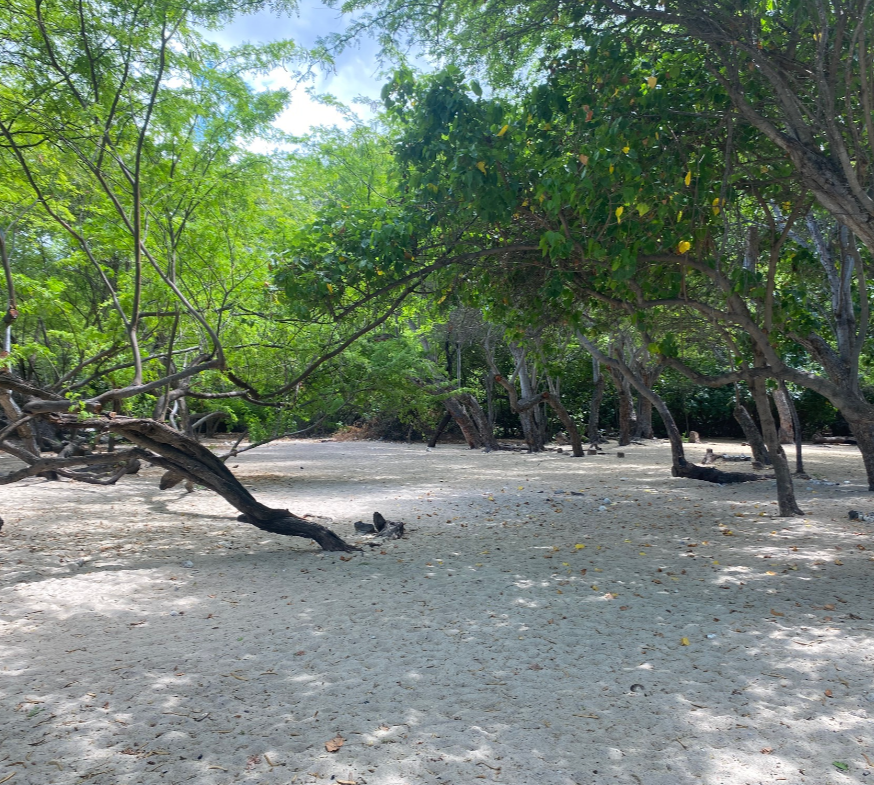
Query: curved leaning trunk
{"points": [[462, 419], [752, 434], [173, 451], [481, 421]]}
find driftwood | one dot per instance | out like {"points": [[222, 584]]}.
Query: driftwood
{"points": [[707, 473], [818, 438], [390, 530]]}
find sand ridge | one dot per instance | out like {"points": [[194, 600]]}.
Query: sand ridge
{"points": [[146, 636]]}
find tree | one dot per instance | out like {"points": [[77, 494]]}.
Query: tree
{"points": [[796, 72]]}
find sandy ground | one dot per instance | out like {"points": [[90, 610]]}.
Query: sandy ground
{"points": [[145, 636]]}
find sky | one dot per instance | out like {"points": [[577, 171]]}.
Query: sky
{"points": [[356, 72]]}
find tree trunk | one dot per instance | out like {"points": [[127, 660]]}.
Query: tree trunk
{"points": [[593, 431], [796, 430], [26, 432], [523, 409], [570, 426], [173, 451], [785, 489], [786, 431], [864, 433], [530, 431], [644, 430], [462, 419], [481, 421], [441, 426], [490, 399], [627, 416], [752, 435]]}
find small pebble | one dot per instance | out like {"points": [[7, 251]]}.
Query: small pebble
{"points": [[174, 613], [188, 564], [602, 508], [607, 501], [637, 689]]}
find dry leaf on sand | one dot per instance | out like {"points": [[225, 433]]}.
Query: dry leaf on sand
{"points": [[334, 744]]}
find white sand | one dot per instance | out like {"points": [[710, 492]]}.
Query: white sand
{"points": [[475, 649]]}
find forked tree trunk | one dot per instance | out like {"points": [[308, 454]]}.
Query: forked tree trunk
{"points": [[752, 435], [785, 489], [524, 409], [463, 421], [481, 421]]}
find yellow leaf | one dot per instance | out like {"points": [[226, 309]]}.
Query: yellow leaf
{"points": [[584, 159], [330, 289], [579, 546], [619, 211], [611, 169], [684, 641], [520, 488], [679, 216], [684, 246], [716, 563], [481, 165], [503, 130], [770, 572], [626, 149], [688, 179], [651, 82], [565, 564]]}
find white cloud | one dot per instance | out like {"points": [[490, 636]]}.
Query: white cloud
{"points": [[356, 71]]}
